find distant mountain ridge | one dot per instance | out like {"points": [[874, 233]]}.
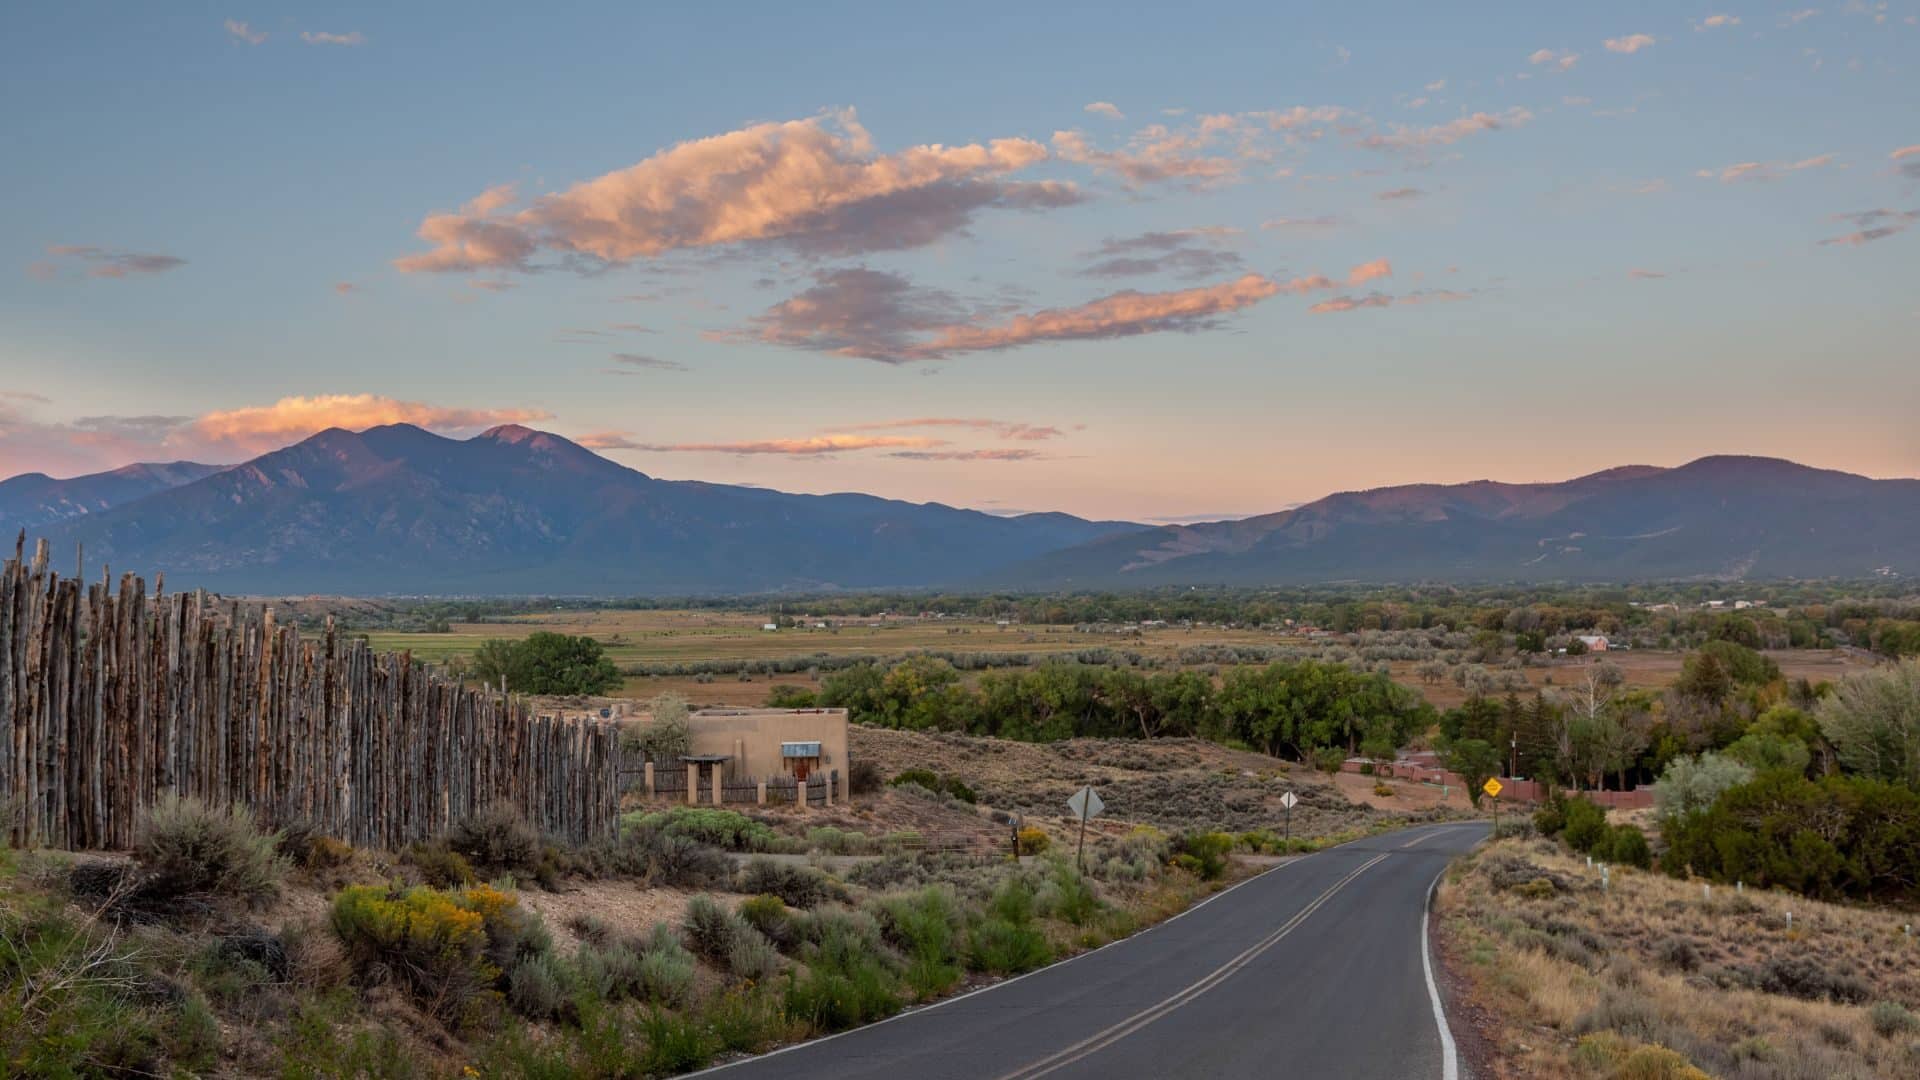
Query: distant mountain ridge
{"points": [[31, 500], [1718, 517], [398, 509]]}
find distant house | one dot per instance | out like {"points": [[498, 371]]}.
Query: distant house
{"points": [[1594, 642], [769, 626]]}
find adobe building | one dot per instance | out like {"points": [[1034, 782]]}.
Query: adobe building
{"points": [[759, 744]]}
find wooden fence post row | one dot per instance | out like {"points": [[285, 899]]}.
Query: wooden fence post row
{"points": [[112, 698]]}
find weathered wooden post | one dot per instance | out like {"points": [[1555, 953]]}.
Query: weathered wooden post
{"points": [[716, 784], [760, 793], [646, 772], [693, 783]]}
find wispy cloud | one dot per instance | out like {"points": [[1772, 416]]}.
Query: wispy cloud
{"points": [[1908, 168], [1562, 60], [321, 37], [1763, 170], [1153, 156], [1632, 43], [875, 315], [243, 34], [346, 288], [1403, 137], [808, 446], [1794, 18], [1871, 225], [103, 263], [1645, 275], [1381, 300], [1717, 22], [1399, 194], [818, 185], [1187, 253], [632, 363], [1011, 430], [1107, 109], [991, 454], [1323, 221]]}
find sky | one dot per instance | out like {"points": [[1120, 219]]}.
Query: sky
{"points": [[1123, 260]]}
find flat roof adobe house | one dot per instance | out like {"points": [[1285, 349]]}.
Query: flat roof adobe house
{"points": [[760, 743], [1594, 642]]}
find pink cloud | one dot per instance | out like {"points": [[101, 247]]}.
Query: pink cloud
{"points": [[1011, 430], [1107, 109], [816, 184], [1402, 137], [1764, 170], [92, 443], [1563, 60], [1123, 314], [968, 455], [1873, 225], [809, 446], [1632, 43], [1716, 22], [1153, 156], [243, 34], [1380, 300]]}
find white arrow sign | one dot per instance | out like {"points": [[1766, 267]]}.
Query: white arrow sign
{"points": [[1289, 799], [1085, 804]]}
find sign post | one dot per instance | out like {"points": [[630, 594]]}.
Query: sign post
{"points": [[1287, 801], [1492, 788], [1084, 804]]}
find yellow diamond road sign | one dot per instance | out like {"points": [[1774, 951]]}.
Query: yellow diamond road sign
{"points": [[1491, 787]]}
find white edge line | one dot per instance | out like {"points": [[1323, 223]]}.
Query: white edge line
{"points": [[1449, 1052], [1446, 1037]]}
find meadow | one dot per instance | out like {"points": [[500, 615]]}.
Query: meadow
{"points": [[642, 637]]}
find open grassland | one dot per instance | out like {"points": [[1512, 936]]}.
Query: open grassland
{"points": [[635, 638], [1653, 977]]}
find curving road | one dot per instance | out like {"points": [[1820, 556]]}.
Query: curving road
{"points": [[1317, 968]]}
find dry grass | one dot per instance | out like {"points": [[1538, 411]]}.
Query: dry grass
{"points": [[1580, 977]]}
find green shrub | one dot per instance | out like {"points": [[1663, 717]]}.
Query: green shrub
{"points": [[1001, 947], [799, 886], [1067, 896], [82, 1023], [848, 978], [187, 848], [1627, 845], [1761, 833], [440, 865], [666, 975], [675, 1044], [745, 1021], [497, 840], [728, 940], [1586, 825], [1202, 854], [926, 927], [1550, 820], [769, 915], [925, 778], [729, 830], [1890, 1018], [539, 987], [608, 972]]}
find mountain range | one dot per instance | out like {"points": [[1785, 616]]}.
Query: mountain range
{"points": [[400, 510]]}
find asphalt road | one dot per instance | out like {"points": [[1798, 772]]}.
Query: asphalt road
{"points": [[1314, 969]]}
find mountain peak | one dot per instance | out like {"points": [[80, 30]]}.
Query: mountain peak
{"points": [[509, 433]]}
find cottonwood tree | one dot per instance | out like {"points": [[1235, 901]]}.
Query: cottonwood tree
{"points": [[1873, 722]]}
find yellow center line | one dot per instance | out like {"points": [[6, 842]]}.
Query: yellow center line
{"points": [[1113, 1034]]}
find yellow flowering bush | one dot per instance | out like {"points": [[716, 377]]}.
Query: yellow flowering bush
{"points": [[436, 942]]}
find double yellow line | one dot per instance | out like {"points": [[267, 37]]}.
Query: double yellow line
{"points": [[1107, 1037]]}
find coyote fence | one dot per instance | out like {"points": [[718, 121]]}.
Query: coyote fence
{"points": [[111, 699]]}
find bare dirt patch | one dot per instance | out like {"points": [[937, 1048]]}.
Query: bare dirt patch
{"points": [[1169, 783]]}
